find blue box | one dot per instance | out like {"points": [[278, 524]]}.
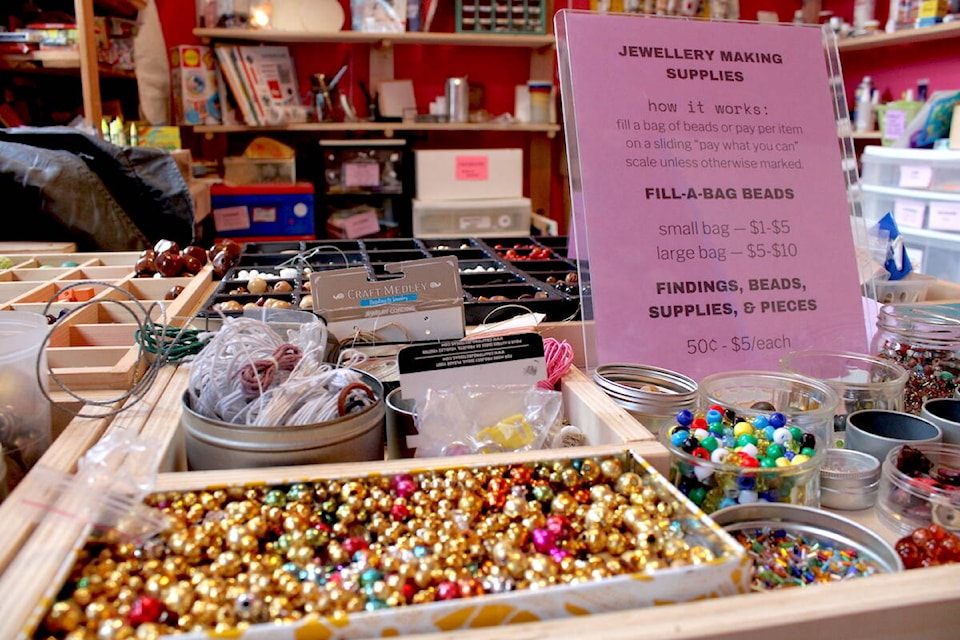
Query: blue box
{"points": [[264, 211]]}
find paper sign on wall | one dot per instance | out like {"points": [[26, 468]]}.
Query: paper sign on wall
{"points": [[709, 200]]}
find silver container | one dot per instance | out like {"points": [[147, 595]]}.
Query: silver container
{"points": [[650, 394], [357, 437], [401, 426], [458, 99], [849, 480], [812, 522]]}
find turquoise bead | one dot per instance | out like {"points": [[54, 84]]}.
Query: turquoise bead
{"points": [[760, 422], [370, 576], [678, 437]]}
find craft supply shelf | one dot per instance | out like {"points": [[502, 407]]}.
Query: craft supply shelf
{"points": [[94, 346], [490, 277]]}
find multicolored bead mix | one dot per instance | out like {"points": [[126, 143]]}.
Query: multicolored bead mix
{"points": [[332, 548], [783, 558], [762, 459], [933, 372], [928, 547]]}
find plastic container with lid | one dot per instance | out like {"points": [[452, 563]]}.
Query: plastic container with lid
{"points": [[650, 394], [758, 436], [925, 340], [933, 169], [849, 480], [919, 486]]}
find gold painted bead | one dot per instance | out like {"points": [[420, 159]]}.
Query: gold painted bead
{"points": [[629, 483], [63, 616]]}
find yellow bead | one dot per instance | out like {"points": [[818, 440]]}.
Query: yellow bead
{"points": [[782, 462], [742, 428], [799, 459]]}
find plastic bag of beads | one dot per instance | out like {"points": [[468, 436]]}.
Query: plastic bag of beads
{"points": [[486, 419]]}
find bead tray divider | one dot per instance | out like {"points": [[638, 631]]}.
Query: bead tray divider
{"points": [[511, 279], [35, 547], [94, 347]]}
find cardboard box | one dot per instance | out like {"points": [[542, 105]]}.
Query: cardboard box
{"points": [[193, 84], [263, 210], [468, 174]]}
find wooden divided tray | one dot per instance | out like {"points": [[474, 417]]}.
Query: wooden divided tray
{"points": [[94, 346]]}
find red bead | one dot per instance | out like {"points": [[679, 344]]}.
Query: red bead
{"points": [[746, 460], [559, 526], [699, 423], [145, 609], [408, 590], [354, 544], [909, 553], [399, 511], [448, 590], [700, 452]]}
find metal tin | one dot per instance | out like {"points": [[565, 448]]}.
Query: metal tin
{"points": [[849, 480], [357, 437], [3, 477], [650, 394], [814, 522], [458, 99]]}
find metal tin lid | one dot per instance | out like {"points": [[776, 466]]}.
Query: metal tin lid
{"points": [[847, 468], [640, 383]]}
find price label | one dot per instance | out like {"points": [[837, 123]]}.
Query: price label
{"points": [[711, 184], [944, 216], [909, 213], [916, 176]]}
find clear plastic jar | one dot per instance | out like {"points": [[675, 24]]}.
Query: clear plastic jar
{"points": [[924, 339], [862, 381], [715, 468]]}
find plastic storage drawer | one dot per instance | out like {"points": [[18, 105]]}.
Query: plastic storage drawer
{"points": [[935, 170], [480, 218]]}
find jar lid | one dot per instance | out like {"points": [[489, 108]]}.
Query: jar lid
{"points": [[641, 382], [845, 468]]}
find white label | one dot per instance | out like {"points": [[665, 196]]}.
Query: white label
{"points": [[472, 223], [909, 213], [231, 219], [264, 214], [945, 216], [916, 176]]}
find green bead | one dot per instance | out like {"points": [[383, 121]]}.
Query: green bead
{"points": [[745, 439], [282, 544], [946, 375], [696, 495], [543, 493], [709, 443], [774, 451], [768, 463], [795, 432], [299, 491], [807, 451], [275, 498]]}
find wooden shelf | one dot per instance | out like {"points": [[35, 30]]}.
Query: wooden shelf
{"points": [[55, 63], [382, 39], [388, 127], [943, 31], [865, 135]]}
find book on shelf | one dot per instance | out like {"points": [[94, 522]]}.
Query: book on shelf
{"points": [[263, 82]]}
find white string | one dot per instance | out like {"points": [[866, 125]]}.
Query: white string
{"points": [[307, 394]]}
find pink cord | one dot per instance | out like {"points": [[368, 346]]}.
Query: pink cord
{"points": [[558, 357], [257, 377]]}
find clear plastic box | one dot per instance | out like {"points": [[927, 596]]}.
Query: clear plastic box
{"points": [[492, 217], [935, 170]]}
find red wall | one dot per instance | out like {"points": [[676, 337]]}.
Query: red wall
{"points": [[498, 70]]}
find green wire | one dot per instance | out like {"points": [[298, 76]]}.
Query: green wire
{"points": [[172, 343]]}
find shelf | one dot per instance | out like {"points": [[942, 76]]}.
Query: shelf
{"points": [[387, 127], [865, 135], [382, 39], [943, 31], [54, 63]]}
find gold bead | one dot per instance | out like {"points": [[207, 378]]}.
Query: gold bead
{"points": [[149, 631], [178, 598], [63, 616], [82, 596], [628, 483], [594, 539], [611, 468], [563, 504]]}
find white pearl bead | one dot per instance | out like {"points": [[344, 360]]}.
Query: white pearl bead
{"points": [[782, 435]]}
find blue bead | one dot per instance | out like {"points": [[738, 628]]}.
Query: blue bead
{"points": [[714, 416], [685, 418], [760, 422], [768, 432], [789, 454], [290, 567], [726, 502], [678, 437], [746, 482], [770, 495], [420, 551], [777, 419], [729, 441]]}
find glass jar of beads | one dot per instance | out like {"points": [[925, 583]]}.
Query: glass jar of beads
{"points": [[925, 340], [758, 436]]}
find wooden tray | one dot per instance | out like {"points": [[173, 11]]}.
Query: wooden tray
{"points": [[37, 546], [94, 346]]}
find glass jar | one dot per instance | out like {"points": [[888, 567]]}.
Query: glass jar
{"points": [[757, 436], [925, 340], [862, 381]]}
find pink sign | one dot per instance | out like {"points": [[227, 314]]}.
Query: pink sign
{"points": [[709, 195], [472, 168]]}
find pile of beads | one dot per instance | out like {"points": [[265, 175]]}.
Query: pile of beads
{"points": [[337, 547], [933, 372], [720, 459], [784, 558], [928, 547]]}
